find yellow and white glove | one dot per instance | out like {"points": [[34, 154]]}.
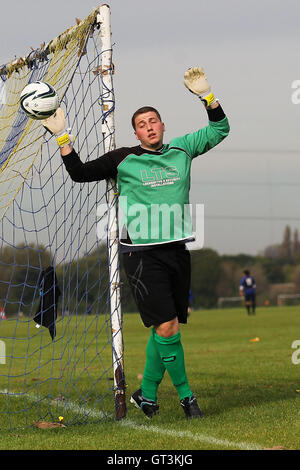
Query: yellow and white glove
{"points": [[56, 124], [195, 80]]}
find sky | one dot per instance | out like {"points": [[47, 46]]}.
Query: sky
{"points": [[250, 183]]}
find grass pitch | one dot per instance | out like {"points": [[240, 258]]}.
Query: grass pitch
{"points": [[239, 367]]}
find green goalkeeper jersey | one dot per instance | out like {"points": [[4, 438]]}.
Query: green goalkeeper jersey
{"points": [[153, 186]]}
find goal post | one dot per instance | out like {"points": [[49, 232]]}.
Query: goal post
{"points": [[108, 127], [2, 353], [51, 225]]}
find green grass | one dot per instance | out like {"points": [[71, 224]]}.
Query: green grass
{"points": [[247, 390]]}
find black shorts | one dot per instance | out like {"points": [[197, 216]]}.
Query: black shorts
{"points": [[160, 282], [250, 297]]}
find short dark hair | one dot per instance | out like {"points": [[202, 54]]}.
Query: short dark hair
{"points": [[144, 109], [247, 272]]}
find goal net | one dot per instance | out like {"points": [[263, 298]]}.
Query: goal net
{"points": [[61, 350]]}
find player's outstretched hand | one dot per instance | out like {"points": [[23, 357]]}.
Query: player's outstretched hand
{"points": [[195, 80], [56, 124]]}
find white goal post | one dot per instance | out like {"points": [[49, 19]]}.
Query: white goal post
{"points": [[2, 352], [108, 127]]}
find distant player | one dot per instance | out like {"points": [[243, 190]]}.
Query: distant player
{"points": [[191, 301], [248, 290], [2, 314]]}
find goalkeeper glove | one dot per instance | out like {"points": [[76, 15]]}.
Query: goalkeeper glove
{"points": [[56, 124], [195, 80]]}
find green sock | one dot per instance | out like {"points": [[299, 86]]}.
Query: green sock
{"points": [[154, 370], [172, 355]]}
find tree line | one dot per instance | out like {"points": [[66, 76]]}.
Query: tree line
{"points": [[85, 281]]}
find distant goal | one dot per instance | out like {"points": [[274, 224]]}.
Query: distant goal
{"points": [[288, 299], [229, 302]]}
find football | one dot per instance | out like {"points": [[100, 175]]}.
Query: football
{"points": [[39, 100]]}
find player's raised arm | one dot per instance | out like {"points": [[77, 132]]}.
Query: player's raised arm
{"points": [[199, 142], [56, 124], [95, 170], [196, 82]]}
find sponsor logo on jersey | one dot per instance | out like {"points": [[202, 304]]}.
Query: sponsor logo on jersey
{"points": [[159, 176]]}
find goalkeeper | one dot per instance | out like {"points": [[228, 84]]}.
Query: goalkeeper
{"points": [[157, 265]]}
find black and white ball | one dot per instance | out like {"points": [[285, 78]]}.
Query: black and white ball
{"points": [[39, 100]]}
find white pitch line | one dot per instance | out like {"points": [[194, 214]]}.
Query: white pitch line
{"points": [[191, 436], [155, 429]]}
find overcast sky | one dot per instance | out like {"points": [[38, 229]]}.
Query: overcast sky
{"points": [[250, 184]]}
